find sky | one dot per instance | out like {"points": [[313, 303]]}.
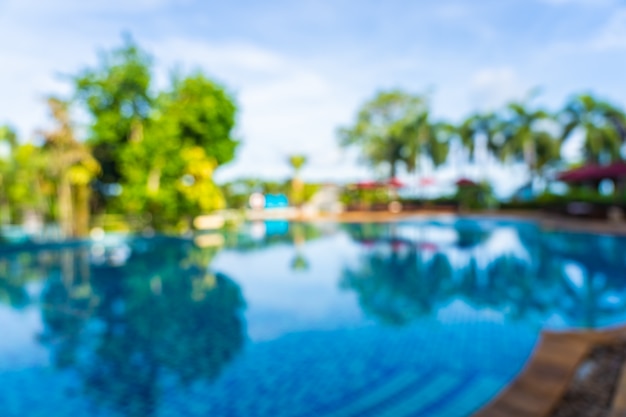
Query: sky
{"points": [[300, 69]]}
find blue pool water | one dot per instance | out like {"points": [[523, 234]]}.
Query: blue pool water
{"points": [[427, 317]]}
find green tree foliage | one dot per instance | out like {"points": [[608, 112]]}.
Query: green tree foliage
{"points": [[158, 149], [8, 136], [527, 138], [475, 196], [72, 167], [117, 96], [481, 126], [8, 139], [603, 125], [394, 128], [24, 187], [297, 161], [167, 172], [204, 114]]}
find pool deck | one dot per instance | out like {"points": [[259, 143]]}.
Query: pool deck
{"points": [[545, 221], [544, 380]]}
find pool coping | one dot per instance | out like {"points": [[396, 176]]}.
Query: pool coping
{"points": [[543, 381]]}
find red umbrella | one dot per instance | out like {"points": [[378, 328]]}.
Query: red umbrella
{"points": [[594, 172], [465, 182], [366, 185], [395, 183]]}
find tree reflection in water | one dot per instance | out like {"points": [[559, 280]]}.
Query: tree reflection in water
{"points": [[12, 283], [409, 270], [131, 331]]}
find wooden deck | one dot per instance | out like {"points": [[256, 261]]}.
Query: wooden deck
{"points": [[618, 408], [547, 375]]}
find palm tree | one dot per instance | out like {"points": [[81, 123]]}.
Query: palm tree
{"points": [[428, 139], [527, 138], [603, 124], [481, 126], [297, 161], [72, 167]]}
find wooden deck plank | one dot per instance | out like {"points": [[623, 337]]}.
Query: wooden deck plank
{"points": [[618, 407], [548, 373]]}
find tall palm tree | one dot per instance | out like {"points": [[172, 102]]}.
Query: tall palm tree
{"points": [[481, 126], [527, 138], [72, 167], [426, 139], [603, 126], [297, 161]]}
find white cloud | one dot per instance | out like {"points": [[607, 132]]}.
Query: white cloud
{"points": [[491, 87], [613, 34], [594, 3], [287, 105], [293, 93], [237, 57], [81, 6]]}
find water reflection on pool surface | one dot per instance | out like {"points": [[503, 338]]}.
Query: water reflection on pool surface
{"points": [[423, 318]]}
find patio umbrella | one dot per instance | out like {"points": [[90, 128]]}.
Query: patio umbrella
{"points": [[425, 182], [394, 183], [594, 172], [366, 185], [465, 182]]}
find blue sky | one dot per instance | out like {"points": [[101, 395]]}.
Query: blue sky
{"points": [[300, 69]]}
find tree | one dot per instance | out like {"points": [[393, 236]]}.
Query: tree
{"points": [[8, 137], [527, 138], [158, 151], [116, 94], [72, 168], [481, 127], [23, 185], [297, 161], [168, 171], [394, 128], [602, 123], [204, 115]]}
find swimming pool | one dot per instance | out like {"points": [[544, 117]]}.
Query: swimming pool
{"points": [[423, 317]]}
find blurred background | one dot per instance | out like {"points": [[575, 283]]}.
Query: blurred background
{"points": [[162, 110]]}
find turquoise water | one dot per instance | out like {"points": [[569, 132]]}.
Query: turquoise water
{"points": [[418, 318]]}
